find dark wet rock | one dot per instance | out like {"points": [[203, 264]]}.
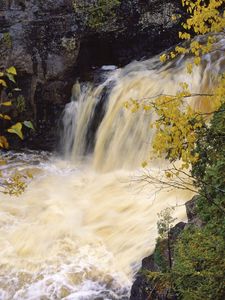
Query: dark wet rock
{"points": [[51, 45], [143, 287], [191, 209]]}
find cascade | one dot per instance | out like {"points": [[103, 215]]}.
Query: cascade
{"points": [[123, 139], [84, 223]]}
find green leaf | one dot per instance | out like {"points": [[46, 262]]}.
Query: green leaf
{"points": [[11, 77], [16, 129], [11, 70], [28, 124]]}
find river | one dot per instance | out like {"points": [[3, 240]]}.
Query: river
{"points": [[85, 221]]}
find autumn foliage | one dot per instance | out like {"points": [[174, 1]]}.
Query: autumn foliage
{"points": [[197, 139], [16, 184]]}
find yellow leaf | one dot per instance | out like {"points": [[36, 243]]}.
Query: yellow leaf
{"points": [[172, 54], [3, 142], [189, 68], [6, 117], [2, 82], [197, 61], [168, 174], [11, 70], [29, 174], [16, 129], [146, 107], [163, 58], [174, 17], [7, 103], [144, 164], [1, 74]]}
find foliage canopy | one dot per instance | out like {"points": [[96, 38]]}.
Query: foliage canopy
{"points": [[198, 139]]}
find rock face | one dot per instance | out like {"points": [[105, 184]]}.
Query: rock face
{"points": [[53, 42], [143, 288]]}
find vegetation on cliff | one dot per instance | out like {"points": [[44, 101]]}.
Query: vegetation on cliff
{"points": [[196, 267], [98, 12], [14, 185], [193, 266]]}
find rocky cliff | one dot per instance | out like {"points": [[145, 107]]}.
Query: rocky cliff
{"points": [[53, 42], [145, 288]]}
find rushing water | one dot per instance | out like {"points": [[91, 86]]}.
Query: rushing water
{"points": [[84, 223]]}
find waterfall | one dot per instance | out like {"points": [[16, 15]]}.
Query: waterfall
{"points": [[121, 139], [85, 222]]}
